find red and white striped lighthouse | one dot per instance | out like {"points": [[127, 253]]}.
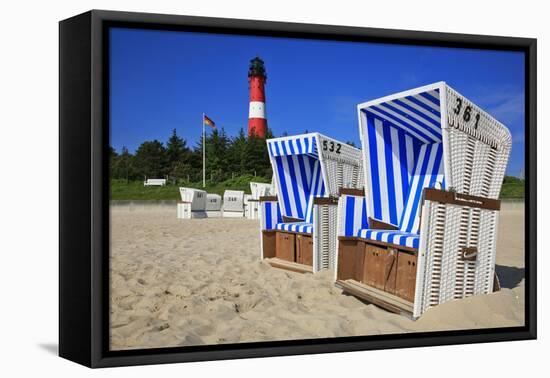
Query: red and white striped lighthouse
{"points": [[257, 123]]}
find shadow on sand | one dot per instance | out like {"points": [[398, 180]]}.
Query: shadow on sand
{"points": [[510, 276]]}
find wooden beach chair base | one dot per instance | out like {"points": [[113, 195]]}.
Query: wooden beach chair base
{"points": [[380, 273], [288, 250]]}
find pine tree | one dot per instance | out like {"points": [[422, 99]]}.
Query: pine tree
{"points": [[177, 157], [150, 159], [256, 157], [236, 153], [217, 144]]}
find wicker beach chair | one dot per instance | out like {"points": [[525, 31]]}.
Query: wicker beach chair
{"points": [[192, 204], [298, 225], [426, 233], [257, 190], [213, 205], [233, 204]]}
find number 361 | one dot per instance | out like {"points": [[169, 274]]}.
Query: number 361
{"points": [[467, 113]]}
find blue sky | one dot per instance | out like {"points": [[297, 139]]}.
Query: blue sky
{"points": [[161, 80]]}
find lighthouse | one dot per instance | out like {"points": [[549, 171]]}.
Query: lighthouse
{"points": [[257, 123]]}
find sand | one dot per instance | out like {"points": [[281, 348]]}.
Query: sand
{"points": [[190, 282]]}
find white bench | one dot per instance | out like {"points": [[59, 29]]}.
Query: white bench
{"points": [[154, 182]]}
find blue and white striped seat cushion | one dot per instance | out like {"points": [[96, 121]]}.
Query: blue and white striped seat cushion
{"points": [[405, 239], [303, 227]]}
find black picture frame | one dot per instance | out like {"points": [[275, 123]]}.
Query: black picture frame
{"points": [[84, 193]]}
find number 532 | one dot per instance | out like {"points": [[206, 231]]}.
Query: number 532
{"points": [[331, 146]]}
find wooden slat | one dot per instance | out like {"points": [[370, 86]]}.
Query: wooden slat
{"points": [[325, 201], [443, 196], [351, 255], [268, 199], [304, 250], [377, 297], [288, 265], [285, 246], [406, 276], [352, 192], [269, 243]]}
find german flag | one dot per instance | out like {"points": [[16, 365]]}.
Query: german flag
{"points": [[209, 122]]}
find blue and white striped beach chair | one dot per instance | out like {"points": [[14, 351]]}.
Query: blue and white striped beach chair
{"points": [[426, 233], [308, 171]]}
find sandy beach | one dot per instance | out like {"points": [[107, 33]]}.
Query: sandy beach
{"points": [[188, 282]]}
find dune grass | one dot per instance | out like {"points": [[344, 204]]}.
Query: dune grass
{"points": [[513, 190]]}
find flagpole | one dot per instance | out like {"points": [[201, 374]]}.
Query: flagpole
{"points": [[203, 154]]}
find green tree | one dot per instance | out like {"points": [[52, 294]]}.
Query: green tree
{"points": [[125, 167], [150, 159], [256, 159], [217, 145], [178, 157], [112, 153], [236, 153]]}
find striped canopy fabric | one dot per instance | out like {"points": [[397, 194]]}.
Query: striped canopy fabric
{"points": [[403, 149], [428, 173], [271, 214], [299, 178], [418, 115], [295, 145], [391, 155], [355, 215]]}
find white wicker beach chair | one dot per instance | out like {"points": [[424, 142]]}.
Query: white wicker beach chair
{"points": [[298, 225], [426, 232], [233, 204], [257, 190], [213, 205], [260, 189], [192, 204]]}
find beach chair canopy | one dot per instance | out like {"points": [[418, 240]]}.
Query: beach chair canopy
{"points": [[404, 154], [298, 177], [404, 138], [308, 166]]}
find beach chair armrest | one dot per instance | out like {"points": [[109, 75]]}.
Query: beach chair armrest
{"points": [[351, 192], [453, 198], [325, 201], [268, 199]]}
